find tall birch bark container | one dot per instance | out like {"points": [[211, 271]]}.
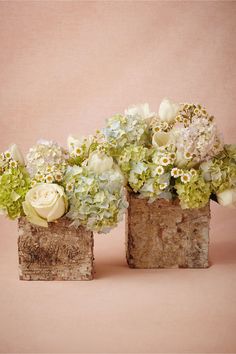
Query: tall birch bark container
{"points": [[59, 252], [163, 235]]}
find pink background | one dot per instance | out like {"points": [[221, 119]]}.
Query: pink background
{"points": [[64, 68]]}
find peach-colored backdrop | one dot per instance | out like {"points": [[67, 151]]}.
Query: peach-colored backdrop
{"points": [[64, 67]]}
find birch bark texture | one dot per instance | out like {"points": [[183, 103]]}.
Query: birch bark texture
{"points": [[59, 252], [163, 235]]}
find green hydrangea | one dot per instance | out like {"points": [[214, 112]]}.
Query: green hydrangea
{"points": [[14, 184], [97, 201], [133, 162], [195, 193], [221, 171], [145, 173], [158, 178], [157, 183], [230, 151]]}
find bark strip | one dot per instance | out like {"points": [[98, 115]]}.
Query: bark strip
{"points": [[58, 252], [163, 235]]}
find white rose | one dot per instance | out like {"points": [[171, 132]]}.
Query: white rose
{"points": [[16, 154], [99, 162], [162, 139], [168, 110], [141, 110], [44, 203], [227, 198]]}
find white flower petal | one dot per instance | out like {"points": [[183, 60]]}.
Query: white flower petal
{"points": [[227, 198], [168, 110]]}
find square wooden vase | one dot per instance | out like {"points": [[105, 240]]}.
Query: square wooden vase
{"points": [[163, 235], [59, 252]]}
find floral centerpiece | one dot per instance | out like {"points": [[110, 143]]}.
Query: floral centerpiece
{"points": [[174, 158], [87, 187], [56, 191], [171, 163]]}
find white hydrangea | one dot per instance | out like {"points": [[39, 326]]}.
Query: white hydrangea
{"points": [[198, 141]]}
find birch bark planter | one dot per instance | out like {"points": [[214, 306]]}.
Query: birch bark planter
{"points": [[163, 235], [59, 252]]}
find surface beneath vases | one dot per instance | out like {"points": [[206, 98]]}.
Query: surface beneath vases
{"points": [[123, 310]]}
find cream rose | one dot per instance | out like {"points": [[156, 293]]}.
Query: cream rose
{"points": [[16, 154], [44, 203], [168, 110], [99, 162], [227, 198]]}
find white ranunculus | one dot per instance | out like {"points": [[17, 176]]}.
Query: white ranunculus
{"points": [[99, 162], [227, 198], [16, 154], [162, 139], [44, 203], [168, 110], [141, 110]]}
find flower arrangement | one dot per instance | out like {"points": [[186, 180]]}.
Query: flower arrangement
{"points": [[82, 183], [175, 153]]}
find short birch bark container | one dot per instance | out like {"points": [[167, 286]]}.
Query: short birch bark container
{"points": [[163, 235], [59, 252]]}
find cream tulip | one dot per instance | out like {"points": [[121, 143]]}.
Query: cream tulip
{"points": [[141, 110], [74, 143], [99, 162], [16, 154], [168, 110], [161, 139], [227, 198]]}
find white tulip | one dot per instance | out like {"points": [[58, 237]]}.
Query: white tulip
{"points": [[227, 198], [168, 110], [161, 139], [99, 162], [141, 110], [44, 203], [180, 160], [205, 168], [74, 143], [117, 175], [16, 154]]}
